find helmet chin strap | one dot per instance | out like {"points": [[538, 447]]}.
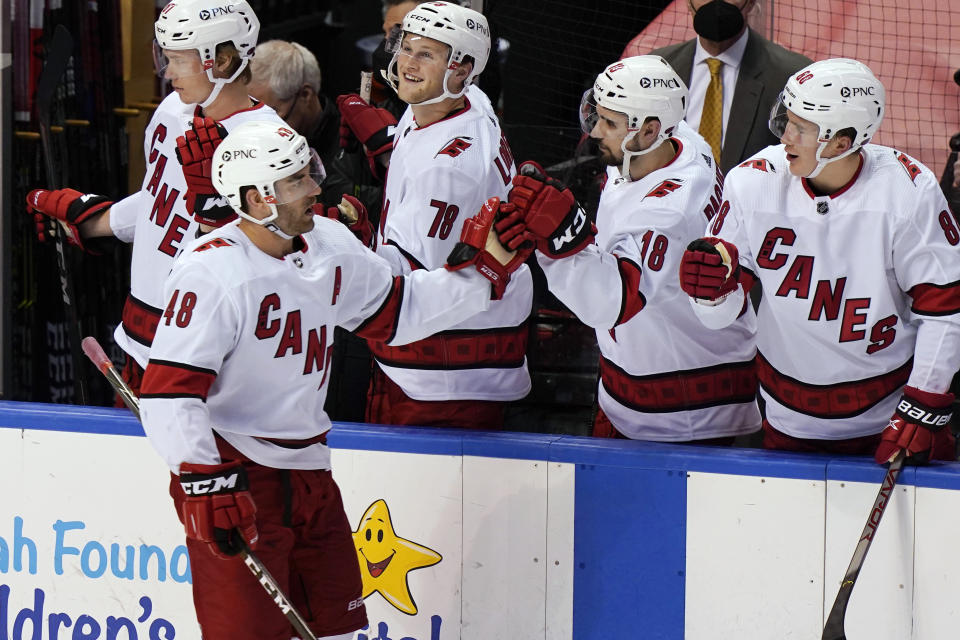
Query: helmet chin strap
{"points": [[823, 162], [268, 222], [220, 83], [393, 79], [629, 155]]}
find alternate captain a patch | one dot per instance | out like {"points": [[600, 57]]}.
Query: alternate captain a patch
{"points": [[455, 147]]}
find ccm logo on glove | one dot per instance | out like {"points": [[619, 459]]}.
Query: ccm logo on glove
{"points": [[214, 484]]}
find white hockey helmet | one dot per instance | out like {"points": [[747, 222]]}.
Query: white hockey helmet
{"points": [[639, 87], [261, 154], [834, 94], [464, 30], [201, 25]]}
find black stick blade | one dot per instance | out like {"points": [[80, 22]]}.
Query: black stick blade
{"points": [[58, 56]]}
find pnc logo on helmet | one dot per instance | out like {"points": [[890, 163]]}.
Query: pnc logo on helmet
{"points": [[239, 153], [206, 14], [667, 83], [477, 26]]}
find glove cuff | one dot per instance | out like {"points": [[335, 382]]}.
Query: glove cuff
{"points": [[208, 479], [930, 410]]}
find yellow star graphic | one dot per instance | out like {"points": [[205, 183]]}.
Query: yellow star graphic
{"points": [[386, 558]]}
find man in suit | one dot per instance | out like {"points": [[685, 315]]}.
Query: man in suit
{"points": [[746, 81]]}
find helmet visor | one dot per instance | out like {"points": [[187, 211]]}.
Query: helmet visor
{"points": [[791, 128], [176, 63], [302, 183], [427, 52], [588, 112]]}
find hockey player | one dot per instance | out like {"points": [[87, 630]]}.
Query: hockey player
{"points": [[448, 156], [232, 397], [202, 49], [663, 376], [856, 250]]}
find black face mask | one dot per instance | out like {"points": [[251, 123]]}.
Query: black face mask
{"points": [[718, 21]]}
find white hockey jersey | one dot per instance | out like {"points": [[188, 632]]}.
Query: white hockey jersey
{"points": [[663, 375], [245, 341], [439, 176], [861, 289], [156, 221]]}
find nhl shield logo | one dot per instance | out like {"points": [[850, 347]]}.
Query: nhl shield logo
{"points": [[823, 207]]}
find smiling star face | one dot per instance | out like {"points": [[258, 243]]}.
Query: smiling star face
{"points": [[386, 558]]}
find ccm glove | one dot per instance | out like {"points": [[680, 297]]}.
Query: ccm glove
{"points": [[475, 246], [71, 208], [195, 149], [218, 508], [709, 269], [919, 417], [550, 215], [369, 125], [353, 214]]}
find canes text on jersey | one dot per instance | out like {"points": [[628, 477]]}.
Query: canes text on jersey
{"points": [[291, 337], [827, 298], [164, 199]]}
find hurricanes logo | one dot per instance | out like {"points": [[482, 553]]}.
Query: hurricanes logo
{"points": [[386, 559], [665, 188], [455, 147]]}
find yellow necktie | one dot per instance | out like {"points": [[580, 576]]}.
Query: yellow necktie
{"points": [[711, 122]]}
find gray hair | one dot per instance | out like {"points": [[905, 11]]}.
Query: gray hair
{"points": [[285, 67]]}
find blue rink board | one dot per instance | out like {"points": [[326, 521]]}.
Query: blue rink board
{"points": [[630, 500]]}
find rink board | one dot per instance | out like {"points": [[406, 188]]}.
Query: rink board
{"points": [[497, 536]]}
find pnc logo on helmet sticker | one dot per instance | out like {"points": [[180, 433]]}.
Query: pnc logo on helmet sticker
{"points": [[667, 83], [856, 91], [239, 153], [477, 26], [206, 14]]}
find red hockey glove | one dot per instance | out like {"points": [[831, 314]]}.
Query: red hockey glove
{"points": [[551, 216], [709, 268], [366, 123], [511, 229], [218, 508], [480, 248], [353, 214], [71, 208], [195, 149], [919, 417]]}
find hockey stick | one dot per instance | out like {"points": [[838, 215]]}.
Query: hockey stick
{"points": [[58, 56], [97, 356], [833, 629]]}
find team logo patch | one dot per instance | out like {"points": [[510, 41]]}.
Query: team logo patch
{"points": [[455, 147], [760, 164], [215, 243], [823, 207], [665, 188], [912, 169]]}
